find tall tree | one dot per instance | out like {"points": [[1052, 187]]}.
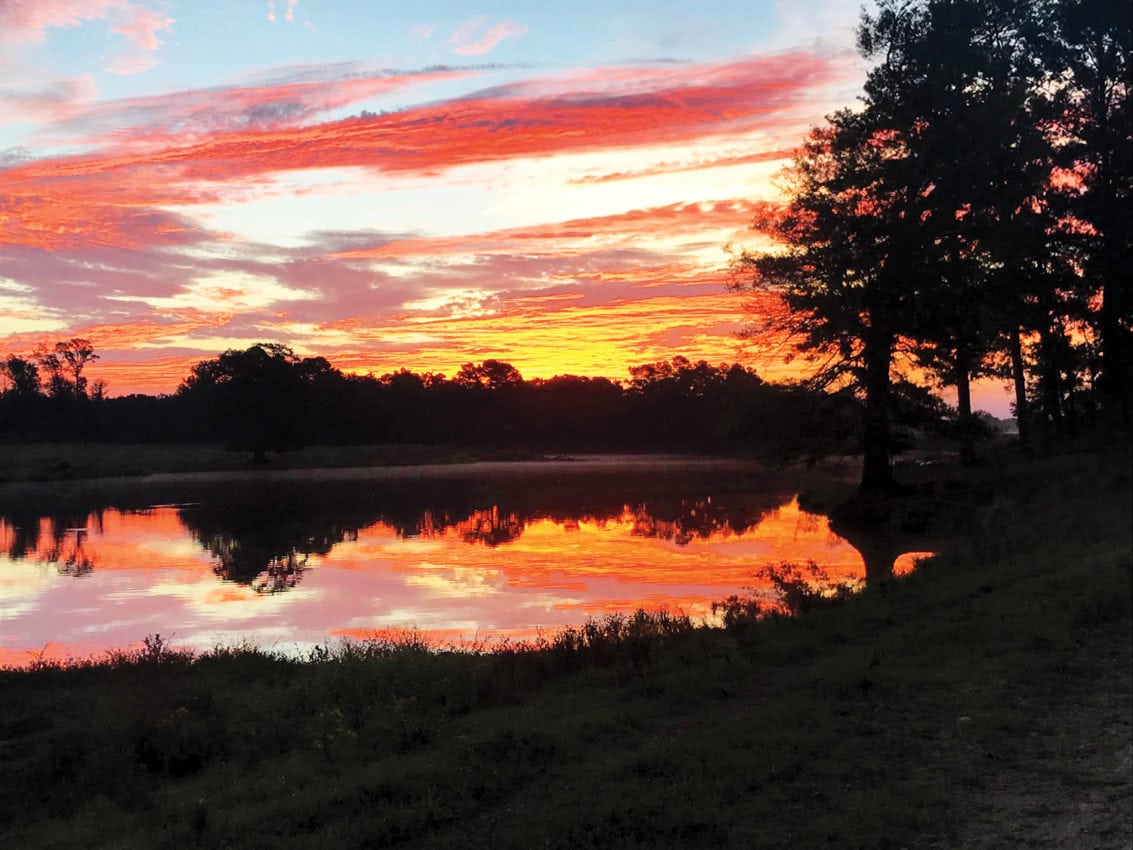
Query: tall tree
{"points": [[846, 260], [259, 399], [958, 80], [489, 375], [1092, 128], [64, 363], [21, 375]]}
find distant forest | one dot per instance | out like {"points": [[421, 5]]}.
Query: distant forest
{"points": [[266, 398]]}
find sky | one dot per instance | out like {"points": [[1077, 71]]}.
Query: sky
{"points": [[397, 185], [400, 185]]}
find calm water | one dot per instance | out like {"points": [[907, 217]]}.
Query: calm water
{"points": [[293, 559]]}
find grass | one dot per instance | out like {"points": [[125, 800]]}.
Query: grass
{"points": [[68, 461], [893, 719]]}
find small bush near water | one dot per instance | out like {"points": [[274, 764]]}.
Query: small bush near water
{"points": [[895, 718]]}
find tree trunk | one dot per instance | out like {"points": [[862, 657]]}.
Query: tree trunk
{"points": [[1116, 414], [1019, 376], [1050, 388], [964, 411], [877, 473]]}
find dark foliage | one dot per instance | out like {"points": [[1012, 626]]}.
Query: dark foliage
{"points": [[267, 399]]}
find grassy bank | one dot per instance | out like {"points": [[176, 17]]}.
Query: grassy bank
{"points": [[979, 702], [71, 461]]}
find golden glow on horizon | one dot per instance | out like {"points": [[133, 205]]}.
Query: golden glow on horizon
{"points": [[598, 250], [542, 336]]}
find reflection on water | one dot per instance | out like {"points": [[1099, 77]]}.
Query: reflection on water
{"points": [[294, 560]]}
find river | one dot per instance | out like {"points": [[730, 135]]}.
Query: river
{"points": [[461, 554]]}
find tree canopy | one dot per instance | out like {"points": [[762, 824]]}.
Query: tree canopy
{"points": [[972, 213]]}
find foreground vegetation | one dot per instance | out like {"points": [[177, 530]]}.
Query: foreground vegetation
{"points": [[974, 703]]}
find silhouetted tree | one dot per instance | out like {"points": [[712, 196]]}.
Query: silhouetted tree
{"points": [[21, 376], [64, 363], [262, 398], [1092, 130], [489, 375], [954, 75], [849, 252]]}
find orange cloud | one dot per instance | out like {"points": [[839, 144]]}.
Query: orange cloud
{"points": [[550, 338], [107, 197], [673, 219], [697, 165], [542, 336]]}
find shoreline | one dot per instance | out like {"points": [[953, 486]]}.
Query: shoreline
{"points": [[980, 701]]}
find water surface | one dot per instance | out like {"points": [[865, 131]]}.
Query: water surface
{"points": [[459, 552]]}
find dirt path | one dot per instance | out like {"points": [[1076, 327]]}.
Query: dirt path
{"points": [[1072, 787]]}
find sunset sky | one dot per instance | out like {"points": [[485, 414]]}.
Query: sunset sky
{"points": [[390, 185]]}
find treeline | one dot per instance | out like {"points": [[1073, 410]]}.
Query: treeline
{"points": [[972, 215], [266, 398]]}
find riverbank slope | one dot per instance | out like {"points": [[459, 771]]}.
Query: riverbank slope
{"points": [[981, 702]]}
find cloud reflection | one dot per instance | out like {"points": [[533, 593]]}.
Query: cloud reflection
{"points": [[284, 564]]}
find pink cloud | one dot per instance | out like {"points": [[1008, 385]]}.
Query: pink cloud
{"points": [[466, 43], [142, 27], [65, 200], [132, 63], [28, 20], [623, 229], [58, 100], [301, 95], [288, 14]]}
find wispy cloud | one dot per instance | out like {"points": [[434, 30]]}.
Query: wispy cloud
{"points": [[21, 20], [103, 196], [572, 237], [132, 63], [677, 167], [121, 243], [55, 101], [292, 96], [29, 20], [142, 26], [288, 14], [475, 37], [26, 21]]}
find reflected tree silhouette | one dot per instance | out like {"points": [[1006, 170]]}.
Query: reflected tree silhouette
{"points": [[684, 520], [267, 545], [880, 548], [59, 539], [267, 549], [266, 537], [260, 567], [490, 527]]}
